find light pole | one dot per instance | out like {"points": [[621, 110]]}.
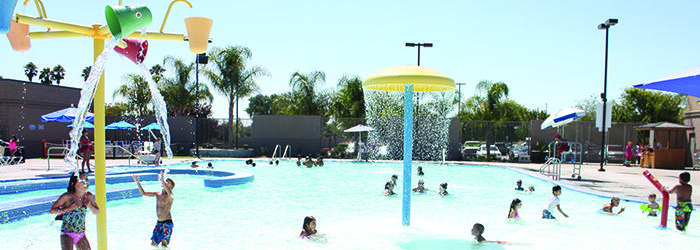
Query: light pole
{"points": [[427, 45], [200, 59], [606, 26]]}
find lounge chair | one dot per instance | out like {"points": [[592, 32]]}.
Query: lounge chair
{"points": [[9, 160]]}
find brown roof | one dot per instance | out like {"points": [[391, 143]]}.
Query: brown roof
{"points": [[664, 126]]}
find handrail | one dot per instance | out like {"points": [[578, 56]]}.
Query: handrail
{"points": [[275, 152], [285, 152], [552, 168], [65, 149]]}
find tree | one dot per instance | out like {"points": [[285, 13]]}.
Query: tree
{"points": [[231, 78], [86, 73], [157, 72], [180, 92], [262, 105], [119, 109], [306, 100], [649, 106], [589, 105], [349, 101], [30, 70], [58, 73], [45, 76], [137, 95]]}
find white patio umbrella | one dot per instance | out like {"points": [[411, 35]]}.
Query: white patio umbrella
{"points": [[359, 129], [562, 117]]}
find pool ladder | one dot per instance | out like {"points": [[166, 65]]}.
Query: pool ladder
{"points": [[287, 152], [552, 168]]}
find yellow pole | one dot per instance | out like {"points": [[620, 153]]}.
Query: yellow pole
{"points": [[100, 181]]}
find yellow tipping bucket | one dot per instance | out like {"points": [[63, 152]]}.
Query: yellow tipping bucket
{"points": [[18, 37], [124, 20], [198, 33]]}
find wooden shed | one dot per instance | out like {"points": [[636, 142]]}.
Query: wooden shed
{"points": [[672, 139]]}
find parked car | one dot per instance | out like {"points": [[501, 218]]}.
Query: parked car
{"points": [[517, 151], [469, 149], [615, 153], [493, 150]]}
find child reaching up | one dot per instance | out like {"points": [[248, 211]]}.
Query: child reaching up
{"points": [[652, 208], [514, 206]]}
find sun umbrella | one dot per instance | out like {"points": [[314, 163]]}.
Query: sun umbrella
{"points": [[86, 125], [685, 82], [65, 115], [359, 128], [122, 125], [562, 117], [152, 126]]}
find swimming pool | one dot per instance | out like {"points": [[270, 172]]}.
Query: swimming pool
{"points": [[346, 199]]}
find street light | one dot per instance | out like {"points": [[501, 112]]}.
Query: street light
{"points": [[427, 45], [603, 153], [200, 59]]}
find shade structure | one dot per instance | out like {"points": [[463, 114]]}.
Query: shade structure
{"points": [[121, 125], [152, 126], [86, 125], [66, 115], [562, 117], [686, 82], [396, 78], [358, 128]]}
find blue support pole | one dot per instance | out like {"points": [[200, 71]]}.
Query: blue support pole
{"points": [[407, 153]]}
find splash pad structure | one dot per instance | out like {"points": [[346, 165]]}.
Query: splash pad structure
{"points": [[122, 22], [408, 79]]}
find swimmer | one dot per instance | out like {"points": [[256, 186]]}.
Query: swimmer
{"points": [[277, 162], [421, 187], [394, 178], [298, 160], [309, 162], [684, 207], [194, 164], [209, 165], [514, 206], [531, 189], [553, 203], [652, 208], [478, 231], [271, 162], [319, 161], [249, 162], [420, 171], [614, 202], [519, 186], [443, 189], [73, 206], [309, 229], [164, 201], [388, 189]]}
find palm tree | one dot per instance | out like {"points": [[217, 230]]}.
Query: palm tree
{"points": [[136, 93], [157, 72], [58, 73], [495, 94], [180, 92], [304, 93], [45, 76], [30, 70], [231, 77], [86, 73]]}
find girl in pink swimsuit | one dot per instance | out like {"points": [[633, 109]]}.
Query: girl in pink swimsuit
{"points": [[514, 206], [73, 205]]}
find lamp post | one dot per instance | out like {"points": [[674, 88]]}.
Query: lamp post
{"points": [[200, 59], [603, 153], [427, 45]]}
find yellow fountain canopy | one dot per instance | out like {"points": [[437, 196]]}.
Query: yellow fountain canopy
{"points": [[422, 78]]}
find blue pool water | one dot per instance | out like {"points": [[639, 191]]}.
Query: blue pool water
{"points": [[346, 199]]}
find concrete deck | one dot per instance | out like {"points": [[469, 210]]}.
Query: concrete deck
{"points": [[626, 182]]}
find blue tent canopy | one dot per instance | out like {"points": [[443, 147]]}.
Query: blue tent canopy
{"points": [[122, 125], [152, 126], [86, 125], [66, 115], [686, 82]]}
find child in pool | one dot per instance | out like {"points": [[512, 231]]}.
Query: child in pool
{"points": [[478, 230], [614, 202], [389, 189], [519, 186], [514, 206], [652, 207], [443, 189], [209, 165], [394, 178], [164, 202], [531, 189], [421, 187], [553, 203], [684, 207], [420, 171], [309, 229], [194, 164]]}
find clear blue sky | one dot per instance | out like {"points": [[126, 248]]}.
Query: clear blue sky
{"points": [[548, 52]]}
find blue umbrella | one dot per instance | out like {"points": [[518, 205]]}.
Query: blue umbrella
{"points": [[684, 82], [65, 115], [562, 117], [122, 125], [86, 125], [152, 126]]}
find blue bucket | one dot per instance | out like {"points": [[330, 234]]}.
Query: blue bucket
{"points": [[7, 9]]}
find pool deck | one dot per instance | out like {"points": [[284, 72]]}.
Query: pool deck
{"points": [[626, 182]]}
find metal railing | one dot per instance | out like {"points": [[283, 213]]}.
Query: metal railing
{"points": [[552, 168]]}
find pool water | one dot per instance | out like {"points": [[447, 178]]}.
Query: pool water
{"points": [[346, 199]]}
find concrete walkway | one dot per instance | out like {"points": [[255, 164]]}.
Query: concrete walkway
{"points": [[626, 182]]}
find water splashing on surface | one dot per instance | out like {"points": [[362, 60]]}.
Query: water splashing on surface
{"points": [[87, 94]]}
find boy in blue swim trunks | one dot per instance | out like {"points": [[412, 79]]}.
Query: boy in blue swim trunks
{"points": [[164, 227], [553, 203], [684, 207]]}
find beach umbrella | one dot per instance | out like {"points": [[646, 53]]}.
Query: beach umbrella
{"points": [[562, 117], [686, 82], [66, 115], [122, 125], [358, 129], [152, 126], [86, 125]]}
